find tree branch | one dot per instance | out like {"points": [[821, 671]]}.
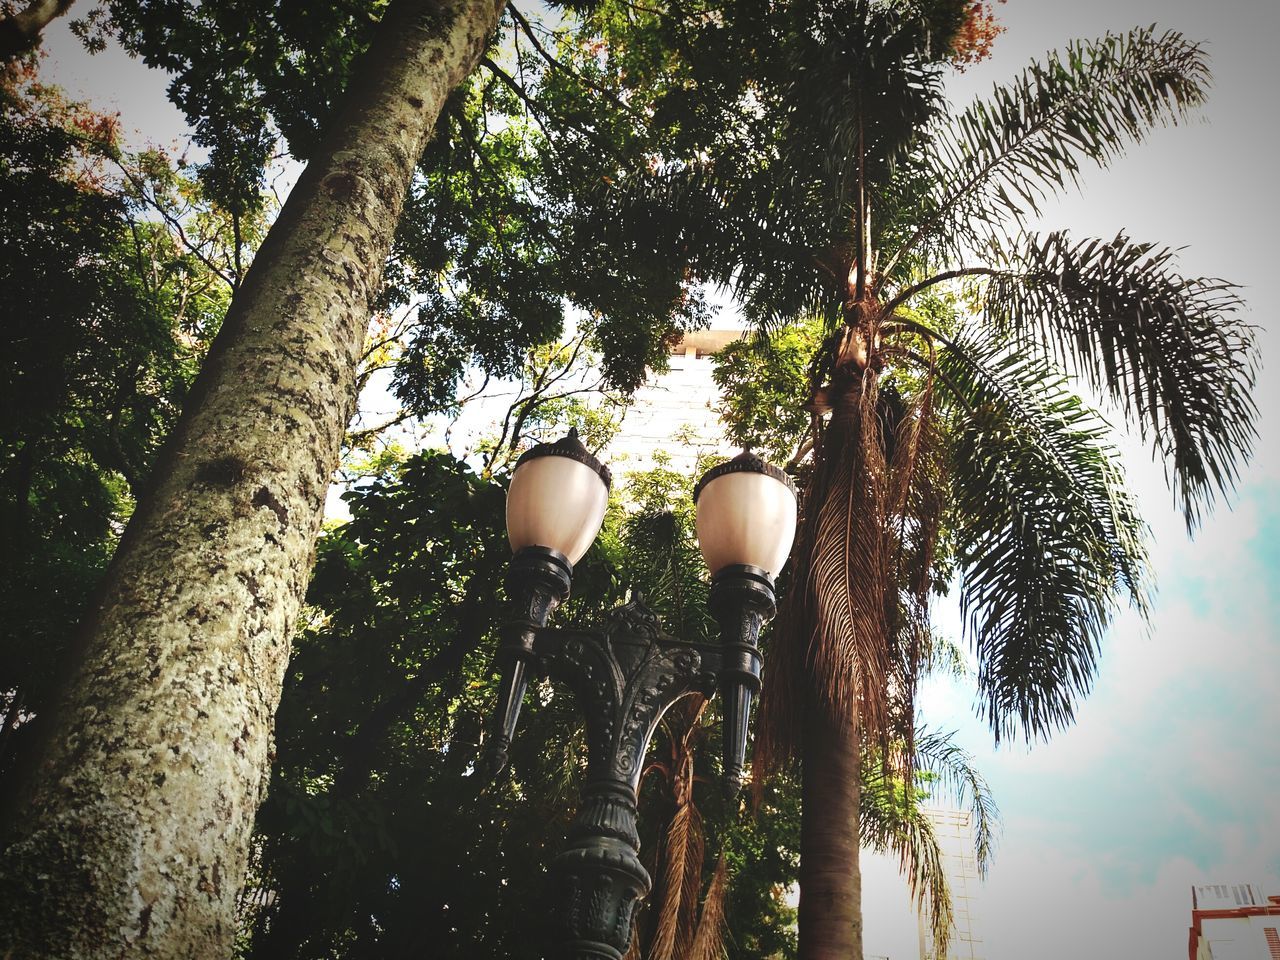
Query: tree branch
{"points": [[173, 222], [911, 291], [356, 437], [20, 32], [556, 64], [515, 87]]}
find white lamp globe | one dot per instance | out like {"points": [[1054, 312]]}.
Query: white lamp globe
{"points": [[557, 499], [746, 514]]}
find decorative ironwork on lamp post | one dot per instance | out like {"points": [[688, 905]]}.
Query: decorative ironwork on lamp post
{"points": [[626, 673]]}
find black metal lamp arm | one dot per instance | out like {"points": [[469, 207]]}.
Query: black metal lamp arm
{"points": [[742, 601], [537, 582], [624, 676]]}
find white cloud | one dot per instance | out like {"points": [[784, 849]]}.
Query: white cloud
{"points": [[1052, 903]]}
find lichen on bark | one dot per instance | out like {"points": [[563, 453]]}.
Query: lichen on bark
{"points": [[132, 835]]}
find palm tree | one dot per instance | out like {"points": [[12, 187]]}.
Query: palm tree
{"points": [[685, 918], [893, 819], [946, 439]]}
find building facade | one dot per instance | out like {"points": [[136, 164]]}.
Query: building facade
{"points": [[1233, 921], [954, 831], [674, 417]]}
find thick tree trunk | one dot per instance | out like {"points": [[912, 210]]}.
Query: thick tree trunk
{"points": [[830, 874], [20, 31], [134, 834]]}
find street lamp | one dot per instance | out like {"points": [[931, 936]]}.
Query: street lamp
{"points": [[626, 673], [746, 520]]}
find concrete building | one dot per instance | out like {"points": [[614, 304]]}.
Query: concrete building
{"points": [[954, 830], [674, 413], [1233, 921]]}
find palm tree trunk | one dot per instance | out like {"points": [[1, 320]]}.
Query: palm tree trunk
{"points": [[133, 833], [830, 873]]}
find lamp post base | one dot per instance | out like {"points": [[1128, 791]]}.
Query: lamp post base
{"points": [[624, 678]]}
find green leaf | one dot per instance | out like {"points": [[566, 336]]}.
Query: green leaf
{"points": [[1047, 537], [1171, 352], [1001, 158]]}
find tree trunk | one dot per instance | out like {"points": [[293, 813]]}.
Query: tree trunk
{"points": [[830, 874], [133, 832], [20, 32]]}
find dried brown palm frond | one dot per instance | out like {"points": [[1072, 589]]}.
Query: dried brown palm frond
{"points": [[830, 641], [682, 862], [925, 483], [916, 501], [708, 938], [778, 722], [854, 628], [683, 849], [848, 577], [633, 951]]}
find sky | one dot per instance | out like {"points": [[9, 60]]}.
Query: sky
{"points": [[1170, 775]]}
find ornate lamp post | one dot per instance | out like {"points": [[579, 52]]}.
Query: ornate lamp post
{"points": [[628, 672]]}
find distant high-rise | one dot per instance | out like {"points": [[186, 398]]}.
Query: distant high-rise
{"points": [[954, 831], [675, 413], [1233, 921]]}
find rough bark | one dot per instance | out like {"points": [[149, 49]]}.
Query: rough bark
{"points": [[21, 31], [830, 872], [133, 836]]}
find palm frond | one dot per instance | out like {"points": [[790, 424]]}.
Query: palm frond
{"points": [[708, 938], [682, 853], [779, 720], [661, 557], [938, 754], [1171, 352], [1047, 537], [684, 847], [891, 820], [945, 657], [834, 632], [1000, 158], [783, 219], [726, 228], [854, 626], [917, 495], [854, 97], [915, 503]]}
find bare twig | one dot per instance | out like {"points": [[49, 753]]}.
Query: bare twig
{"points": [[173, 222], [556, 64]]}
